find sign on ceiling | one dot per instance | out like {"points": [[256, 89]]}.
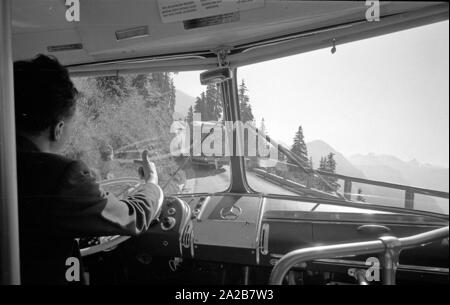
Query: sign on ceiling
{"points": [[182, 10]]}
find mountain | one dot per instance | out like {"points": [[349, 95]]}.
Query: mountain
{"points": [[392, 169], [182, 103], [378, 170], [388, 169], [412, 173], [318, 149]]}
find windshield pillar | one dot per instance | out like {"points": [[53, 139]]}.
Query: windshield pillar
{"points": [[9, 229], [232, 114]]}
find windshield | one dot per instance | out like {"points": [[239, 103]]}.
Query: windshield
{"points": [[375, 109], [119, 116]]}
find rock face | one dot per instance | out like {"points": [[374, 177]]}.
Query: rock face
{"points": [[128, 114]]}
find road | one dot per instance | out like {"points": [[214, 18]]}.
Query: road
{"points": [[209, 182]]}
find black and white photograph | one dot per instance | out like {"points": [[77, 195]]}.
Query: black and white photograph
{"points": [[224, 150]]}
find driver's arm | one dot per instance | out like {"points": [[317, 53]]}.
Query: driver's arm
{"points": [[83, 209]]}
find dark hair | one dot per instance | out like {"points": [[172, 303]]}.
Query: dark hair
{"points": [[44, 94]]}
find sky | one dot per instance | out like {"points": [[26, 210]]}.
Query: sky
{"points": [[384, 95]]}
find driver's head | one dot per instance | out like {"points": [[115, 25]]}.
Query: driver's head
{"points": [[45, 100]]}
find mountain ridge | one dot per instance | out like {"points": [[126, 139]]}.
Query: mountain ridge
{"points": [[182, 103], [388, 168], [319, 148]]}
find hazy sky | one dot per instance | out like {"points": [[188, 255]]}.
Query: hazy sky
{"points": [[386, 95]]}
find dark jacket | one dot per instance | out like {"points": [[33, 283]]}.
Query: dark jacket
{"points": [[59, 200]]}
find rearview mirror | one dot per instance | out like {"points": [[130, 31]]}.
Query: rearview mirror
{"points": [[215, 76]]}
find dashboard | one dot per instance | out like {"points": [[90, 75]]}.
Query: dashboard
{"points": [[254, 230]]}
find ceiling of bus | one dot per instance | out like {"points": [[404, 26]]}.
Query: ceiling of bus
{"points": [[40, 24]]}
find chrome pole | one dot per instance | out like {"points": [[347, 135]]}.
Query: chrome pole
{"points": [[389, 246], [9, 222], [390, 258], [320, 252]]}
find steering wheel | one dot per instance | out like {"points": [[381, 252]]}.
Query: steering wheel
{"points": [[121, 188]]}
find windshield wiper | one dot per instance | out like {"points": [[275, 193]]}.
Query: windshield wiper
{"points": [[291, 156], [297, 162], [188, 158]]}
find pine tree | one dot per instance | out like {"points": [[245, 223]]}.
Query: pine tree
{"points": [[330, 163], [172, 94], [330, 166], [244, 103], [246, 114], [311, 163], [299, 146], [200, 106], [148, 84], [160, 80], [213, 104], [140, 82], [323, 164], [190, 115], [112, 86], [209, 104]]}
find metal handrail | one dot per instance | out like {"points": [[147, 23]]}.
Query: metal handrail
{"points": [[390, 246], [410, 191], [417, 190], [423, 238]]}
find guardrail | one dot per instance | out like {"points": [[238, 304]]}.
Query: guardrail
{"points": [[410, 191], [292, 185], [388, 245]]}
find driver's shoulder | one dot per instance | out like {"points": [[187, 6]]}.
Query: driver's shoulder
{"points": [[41, 173], [47, 163], [48, 159]]}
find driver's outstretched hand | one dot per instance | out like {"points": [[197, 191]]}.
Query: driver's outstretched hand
{"points": [[147, 169]]}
